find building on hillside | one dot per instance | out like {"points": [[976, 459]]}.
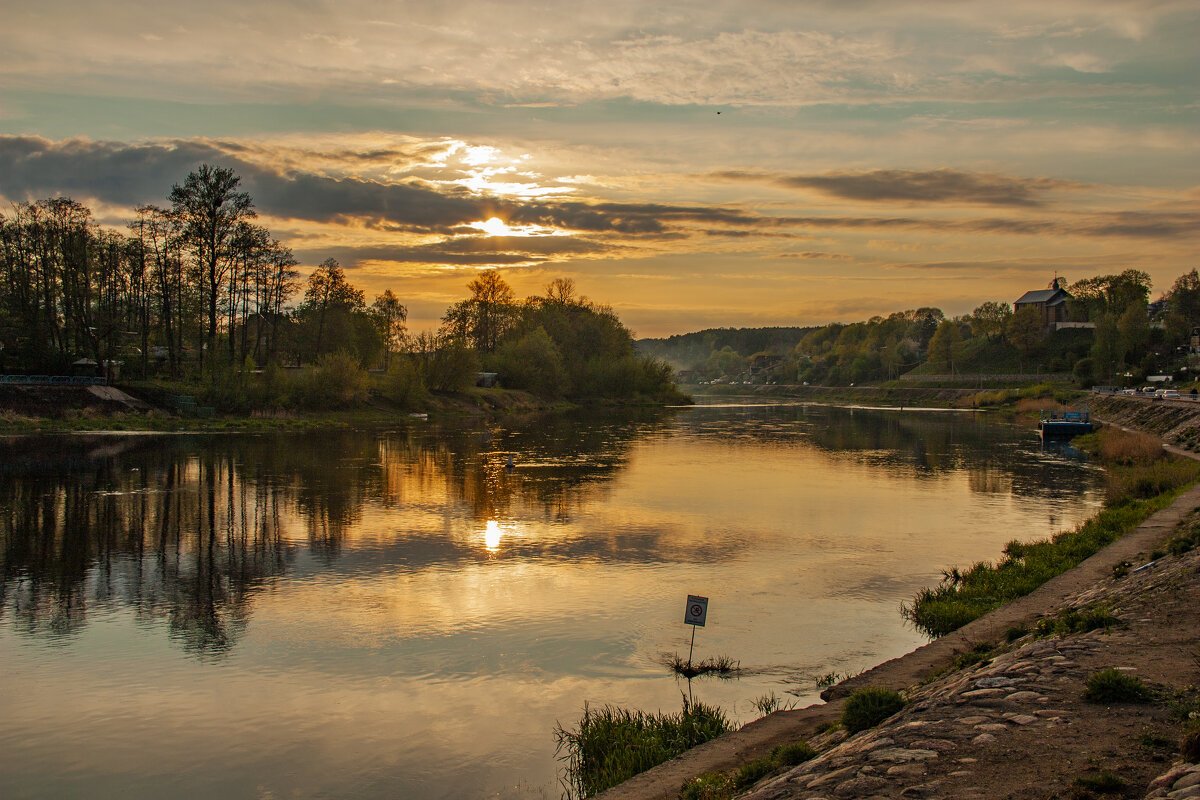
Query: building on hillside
{"points": [[1051, 304]]}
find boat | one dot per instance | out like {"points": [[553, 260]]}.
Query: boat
{"points": [[1064, 424]]}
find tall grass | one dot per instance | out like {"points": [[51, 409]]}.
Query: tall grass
{"points": [[613, 744], [1140, 480]]}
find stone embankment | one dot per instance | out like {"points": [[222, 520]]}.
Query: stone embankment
{"points": [[1018, 726], [1177, 422]]}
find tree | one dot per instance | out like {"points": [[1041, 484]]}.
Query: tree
{"points": [[390, 316], [1109, 294], [1025, 330], [989, 319], [210, 209], [329, 303], [1106, 347], [483, 319], [944, 342], [1133, 327], [533, 363], [1183, 307]]}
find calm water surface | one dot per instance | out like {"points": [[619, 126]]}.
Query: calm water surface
{"points": [[395, 614]]}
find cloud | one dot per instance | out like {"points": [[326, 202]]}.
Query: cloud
{"points": [[811, 255], [917, 186], [472, 250]]}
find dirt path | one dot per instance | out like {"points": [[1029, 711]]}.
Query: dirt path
{"points": [[1017, 726]]}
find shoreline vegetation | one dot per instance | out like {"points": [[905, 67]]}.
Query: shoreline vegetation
{"points": [[1141, 478], [240, 402]]}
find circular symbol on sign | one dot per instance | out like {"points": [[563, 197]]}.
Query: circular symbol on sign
{"points": [[697, 610]]}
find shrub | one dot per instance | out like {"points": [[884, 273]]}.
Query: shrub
{"points": [[793, 753], [402, 384], [336, 381], [709, 786], [866, 708], [1114, 686], [749, 774], [533, 363]]}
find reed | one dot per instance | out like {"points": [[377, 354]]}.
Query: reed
{"points": [[612, 744]]}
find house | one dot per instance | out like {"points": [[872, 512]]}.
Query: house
{"points": [[1051, 303]]}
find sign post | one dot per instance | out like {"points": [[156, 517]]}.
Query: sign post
{"points": [[694, 615]]}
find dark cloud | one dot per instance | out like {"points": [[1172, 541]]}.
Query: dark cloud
{"points": [[917, 186], [1144, 224], [125, 174]]}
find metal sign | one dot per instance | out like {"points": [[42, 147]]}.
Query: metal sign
{"points": [[697, 610]]}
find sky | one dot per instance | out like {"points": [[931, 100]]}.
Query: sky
{"points": [[693, 165]]}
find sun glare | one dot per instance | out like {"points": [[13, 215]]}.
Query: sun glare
{"points": [[491, 536], [495, 226]]}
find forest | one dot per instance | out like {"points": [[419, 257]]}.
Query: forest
{"points": [[197, 294], [1122, 337]]}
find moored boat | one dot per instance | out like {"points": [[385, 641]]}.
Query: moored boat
{"points": [[1065, 424]]}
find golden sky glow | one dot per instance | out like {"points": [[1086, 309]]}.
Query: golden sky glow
{"points": [[691, 164]]}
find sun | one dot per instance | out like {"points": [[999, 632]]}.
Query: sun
{"points": [[494, 226], [497, 227]]}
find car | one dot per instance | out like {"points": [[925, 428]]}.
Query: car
{"points": [[1129, 391], [1169, 394]]}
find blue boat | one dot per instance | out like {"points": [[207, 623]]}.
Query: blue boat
{"points": [[1064, 424]]}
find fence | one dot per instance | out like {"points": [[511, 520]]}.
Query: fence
{"points": [[52, 380], [978, 379]]}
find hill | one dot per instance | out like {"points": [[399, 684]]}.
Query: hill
{"points": [[688, 350]]}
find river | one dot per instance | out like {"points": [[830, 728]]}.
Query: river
{"points": [[398, 613]]}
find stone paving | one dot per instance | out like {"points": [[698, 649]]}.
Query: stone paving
{"points": [[936, 745]]}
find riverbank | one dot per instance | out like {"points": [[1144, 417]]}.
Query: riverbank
{"points": [[892, 395], [1014, 724], [45, 408]]}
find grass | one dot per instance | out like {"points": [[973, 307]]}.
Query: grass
{"points": [[721, 666], [613, 744], [1184, 540], [770, 703], [866, 708], [1114, 686], [725, 785], [1135, 491], [1101, 783], [1077, 620]]}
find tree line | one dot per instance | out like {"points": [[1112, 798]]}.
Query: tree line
{"points": [[1130, 334], [187, 288], [196, 290]]}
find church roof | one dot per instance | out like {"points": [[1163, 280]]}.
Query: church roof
{"points": [[1050, 297]]}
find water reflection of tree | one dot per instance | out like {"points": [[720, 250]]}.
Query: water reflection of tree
{"points": [[178, 537], [996, 457], [560, 461], [186, 530]]}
